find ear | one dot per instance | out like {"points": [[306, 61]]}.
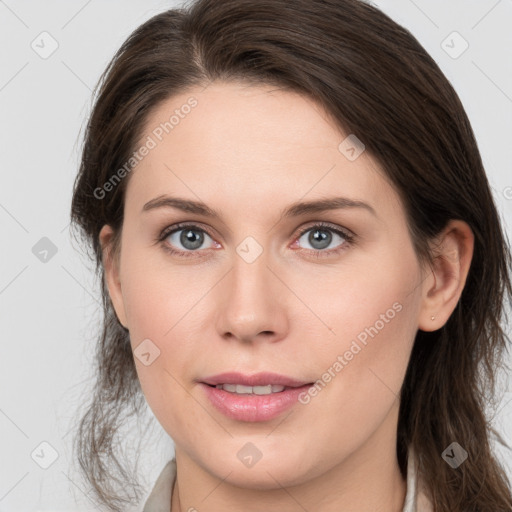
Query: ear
{"points": [[111, 267], [441, 290]]}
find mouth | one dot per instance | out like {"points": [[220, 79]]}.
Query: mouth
{"points": [[253, 403], [241, 389], [258, 383]]}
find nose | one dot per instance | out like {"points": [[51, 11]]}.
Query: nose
{"points": [[252, 302]]}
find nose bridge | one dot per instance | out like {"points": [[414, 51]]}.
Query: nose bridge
{"points": [[252, 301]]}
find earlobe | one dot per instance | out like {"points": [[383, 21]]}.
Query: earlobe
{"points": [[112, 278], [442, 290]]}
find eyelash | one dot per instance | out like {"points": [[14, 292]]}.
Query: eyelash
{"points": [[348, 237]]}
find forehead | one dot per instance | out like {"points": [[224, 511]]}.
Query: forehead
{"points": [[249, 145]]}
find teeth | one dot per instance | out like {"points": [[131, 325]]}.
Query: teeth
{"points": [[251, 390]]}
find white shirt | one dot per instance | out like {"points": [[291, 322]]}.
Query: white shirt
{"points": [[159, 500]]}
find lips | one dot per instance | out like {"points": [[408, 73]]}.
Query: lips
{"points": [[252, 407], [257, 379]]}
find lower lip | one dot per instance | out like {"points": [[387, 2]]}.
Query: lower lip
{"points": [[253, 407]]}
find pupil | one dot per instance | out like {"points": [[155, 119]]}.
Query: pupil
{"points": [[187, 239], [324, 237]]}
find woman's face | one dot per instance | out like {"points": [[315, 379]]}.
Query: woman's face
{"points": [[252, 290]]}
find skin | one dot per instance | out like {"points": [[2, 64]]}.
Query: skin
{"points": [[249, 152]]}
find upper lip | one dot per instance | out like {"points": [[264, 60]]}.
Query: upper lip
{"points": [[256, 379]]}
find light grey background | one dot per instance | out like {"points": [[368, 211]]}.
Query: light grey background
{"points": [[49, 311]]}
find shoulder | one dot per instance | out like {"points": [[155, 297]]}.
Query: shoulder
{"points": [[159, 499], [416, 499]]}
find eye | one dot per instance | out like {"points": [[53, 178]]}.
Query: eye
{"points": [[188, 236], [322, 235]]}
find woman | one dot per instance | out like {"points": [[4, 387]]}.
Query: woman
{"points": [[302, 267]]}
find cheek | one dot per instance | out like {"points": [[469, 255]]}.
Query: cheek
{"points": [[373, 314], [374, 298], [156, 304], [169, 306], [378, 317], [155, 294]]}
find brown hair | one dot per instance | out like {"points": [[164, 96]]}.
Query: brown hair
{"points": [[377, 82]]}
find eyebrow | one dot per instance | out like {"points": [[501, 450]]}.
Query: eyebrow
{"points": [[293, 210]]}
